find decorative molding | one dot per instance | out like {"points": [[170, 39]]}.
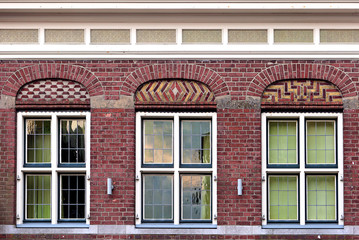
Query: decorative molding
{"points": [[312, 71], [52, 90], [175, 71], [174, 92], [299, 93]]}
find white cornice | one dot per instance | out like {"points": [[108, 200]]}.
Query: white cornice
{"points": [[203, 7]]}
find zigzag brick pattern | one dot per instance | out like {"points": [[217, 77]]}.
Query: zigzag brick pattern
{"points": [[174, 91], [306, 92], [53, 90]]}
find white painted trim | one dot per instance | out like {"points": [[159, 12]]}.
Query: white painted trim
{"points": [[302, 170], [219, 6], [53, 170], [176, 170], [179, 51], [238, 230]]}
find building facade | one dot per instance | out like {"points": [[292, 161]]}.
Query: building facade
{"points": [[179, 120]]}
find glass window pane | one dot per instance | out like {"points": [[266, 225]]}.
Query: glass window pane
{"points": [[38, 141], [321, 143], [196, 197], [196, 142], [158, 197], [157, 141], [282, 145], [72, 141], [321, 197], [283, 198], [38, 197], [72, 202]]}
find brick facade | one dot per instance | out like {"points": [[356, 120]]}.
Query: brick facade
{"points": [[237, 86]]}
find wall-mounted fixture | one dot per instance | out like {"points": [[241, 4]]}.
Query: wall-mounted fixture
{"points": [[109, 186], [240, 187]]}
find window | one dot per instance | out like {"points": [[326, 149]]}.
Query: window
{"points": [[176, 168], [53, 167], [302, 168]]}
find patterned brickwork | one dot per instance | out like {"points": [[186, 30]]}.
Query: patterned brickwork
{"points": [[50, 90], [174, 91], [55, 71], [302, 71], [176, 70], [301, 92]]}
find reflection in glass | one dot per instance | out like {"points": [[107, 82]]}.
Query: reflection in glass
{"points": [[196, 197], [196, 142], [73, 141], [158, 141], [158, 197], [72, 197], [38, 141]]}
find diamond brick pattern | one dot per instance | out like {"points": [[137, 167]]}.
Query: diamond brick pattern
{"points": [[53, 90], [174, 91], [306, 92]]}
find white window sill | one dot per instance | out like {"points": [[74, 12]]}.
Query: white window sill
{"points": [[180, 226], [49, 225], [307, 226]]}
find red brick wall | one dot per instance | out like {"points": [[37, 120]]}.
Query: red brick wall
{"points": [[239, 133]]}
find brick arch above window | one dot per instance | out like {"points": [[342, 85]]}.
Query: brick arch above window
{"points": [[313, 71], [194, 72], [54, 93], [301, 94], [52, 71], [169, 93]]}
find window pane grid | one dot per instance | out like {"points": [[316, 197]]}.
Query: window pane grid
{"points": [[283, 198], [158, 142], [72, 141], [196, 142], [72, 197], [158, 197], [321, 198], [196, 197], [320, 142], [38, 197], [282, 142], [38, 141]]}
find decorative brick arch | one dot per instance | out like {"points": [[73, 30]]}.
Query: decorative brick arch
{"points": [[175, 71], [52, 71], [302, 71]]}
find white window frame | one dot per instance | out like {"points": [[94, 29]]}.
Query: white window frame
{"points": [[54, 170], [175, 170], [301, 171]]}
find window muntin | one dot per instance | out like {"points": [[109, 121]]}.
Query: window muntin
{"points": [[283, 198], [176, 171], [45, 129], [196, 142], [327, 126], [196, 197], [158, 141], [282, 142], [38, 197], [72, 140], [158, 197], [321, 198], [38, 141], [321, 142], [72, 191]]}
